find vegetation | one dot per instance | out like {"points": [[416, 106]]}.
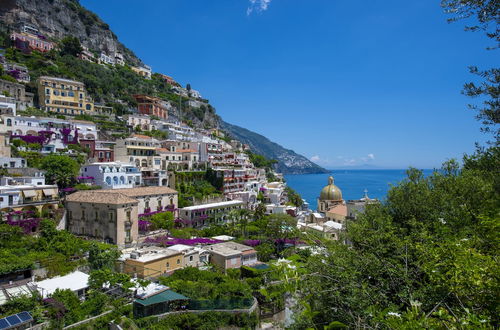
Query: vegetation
{"points": [[204, 284], [109, 85], [58, 251], [208, 320], [293, 197], [484, 16], [70, 46], [261, 161], [61, 169], [426, 258], [197, 190]]}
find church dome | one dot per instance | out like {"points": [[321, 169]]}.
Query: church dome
{"points": [[330, 192]]}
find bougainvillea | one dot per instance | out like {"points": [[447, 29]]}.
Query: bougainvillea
{"points": [[144, 225], [42, 138], [28, 225], [85, 178], [252, 242], [66, 136], [167, 241]]}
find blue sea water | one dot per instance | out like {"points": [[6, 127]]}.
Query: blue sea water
{"points": [[351, 182]]}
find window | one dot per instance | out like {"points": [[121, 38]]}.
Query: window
{"points": [[146, 205], [96, 215], [88, 107], [168, 264], [71, 94], [83, 214], [178, 261], [128, 215], [111, 216], [81, 95], [47, 91], [127, 234], [63, 93], [190, 258]]}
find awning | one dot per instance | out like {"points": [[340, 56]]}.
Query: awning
{"points": [[29, 193], [49, 192]]}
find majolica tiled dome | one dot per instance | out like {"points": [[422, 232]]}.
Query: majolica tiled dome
{"points": [[330, 192]]}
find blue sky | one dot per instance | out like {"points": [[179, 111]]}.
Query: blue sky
{"points": [[342, 82]]}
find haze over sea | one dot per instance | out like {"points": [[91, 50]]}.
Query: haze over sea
{"points": [[351, 182]]}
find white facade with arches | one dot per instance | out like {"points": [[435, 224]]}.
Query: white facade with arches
{"points": [[113, 175]]}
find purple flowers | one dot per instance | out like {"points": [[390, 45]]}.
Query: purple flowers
{"points": [[28, 225], [144, 225], [42, 138], [167, 241], [252, 242], [65, 136], [85, 178]]}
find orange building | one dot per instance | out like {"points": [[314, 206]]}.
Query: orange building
{"points": [[152, 106]]}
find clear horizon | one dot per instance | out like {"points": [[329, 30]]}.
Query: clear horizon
{"points": [[343, 83]]}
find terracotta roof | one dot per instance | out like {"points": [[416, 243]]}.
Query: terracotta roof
{"points": [[100, 197], [142, 191], [188, 150], [340, 209], [162, 149]]}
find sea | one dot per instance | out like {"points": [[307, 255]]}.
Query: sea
{"points": [[352, 183]]}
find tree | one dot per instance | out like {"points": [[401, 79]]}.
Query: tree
{"points": [[281, 226], [163, 220], [61, 169], [102, 258], [486, 17], [70, 46], [426, 256]]}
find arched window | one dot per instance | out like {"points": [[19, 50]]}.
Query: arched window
{"points": [[122, 179], [108, 181], [9, 122], [115, 180]]}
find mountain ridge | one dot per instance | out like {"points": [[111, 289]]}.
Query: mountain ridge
{"points": [[289, 162]]}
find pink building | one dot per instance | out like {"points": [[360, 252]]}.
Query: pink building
{"points": [[34, 42], [232, 255]]}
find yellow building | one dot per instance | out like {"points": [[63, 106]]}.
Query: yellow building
{"points": [[63, 96], [153, 262]]}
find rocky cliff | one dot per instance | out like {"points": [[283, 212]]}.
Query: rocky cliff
{"points": [[56, 19]]}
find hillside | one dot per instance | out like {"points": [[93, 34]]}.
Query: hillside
{"points": [[59, 18], [289, 162], [115, 85]]}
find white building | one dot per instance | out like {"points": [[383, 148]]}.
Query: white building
{"points": [[105, 59], [119, 59], [7, 105], [213, 213], [57, 132], [113, 175], [195, 94], [77, 282], [27, 195], [141, 121], [10, 162]]}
